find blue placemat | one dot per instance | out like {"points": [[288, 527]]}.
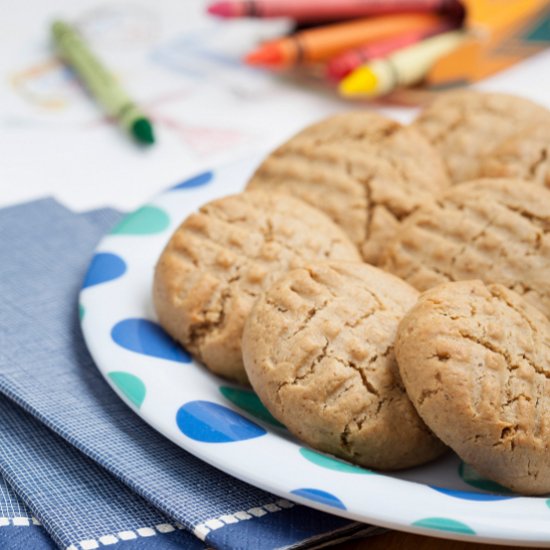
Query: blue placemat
{"points": [[46, 371], [74, 498], [18, 527]]}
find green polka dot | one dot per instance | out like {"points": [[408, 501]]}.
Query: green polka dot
{"points": [[445, 524], [471, 477], [145, 221], [131, 386], [332, 463], [81, 311], [248, 401], [548, 503]]}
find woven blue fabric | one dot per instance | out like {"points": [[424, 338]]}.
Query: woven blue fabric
{"points": [[11, 506], [18, 528], [46, 370], [74, 498]]}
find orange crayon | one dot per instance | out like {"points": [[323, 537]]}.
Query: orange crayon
{"points": [[319, 44]]}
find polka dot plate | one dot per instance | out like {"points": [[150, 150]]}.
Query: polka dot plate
{"points": [[227, 426]]}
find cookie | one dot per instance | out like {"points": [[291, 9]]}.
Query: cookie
{"points": [[318, 350], [496, 230], [365, 171], [221, 257], [524, 156], [475, 360], [466, 126]]}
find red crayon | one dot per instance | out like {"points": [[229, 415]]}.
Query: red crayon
{"points": [[330, 10], [340, 66], [323, 43]]}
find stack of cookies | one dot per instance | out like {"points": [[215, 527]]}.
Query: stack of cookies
{"points": [[385, 289]]}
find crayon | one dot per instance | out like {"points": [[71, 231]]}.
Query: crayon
{"points": [[402, 68], [101, 84], [322, 43], [329, 10], [341, 65]]}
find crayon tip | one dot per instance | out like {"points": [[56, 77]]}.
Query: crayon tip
{"points": [[267, 54], [221, 9], [142, 130], [339, 67], [362, 81]]}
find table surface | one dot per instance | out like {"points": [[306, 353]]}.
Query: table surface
{"points": [[395, 540], [55, 142]]}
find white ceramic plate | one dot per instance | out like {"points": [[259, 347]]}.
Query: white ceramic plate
{"points": [[227, 427]]}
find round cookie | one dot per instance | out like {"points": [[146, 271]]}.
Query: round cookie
{"points": [[524, 156], [318, 350], [365, 171], [475, 360], [497, 230], [220, 258], [466, 126]]}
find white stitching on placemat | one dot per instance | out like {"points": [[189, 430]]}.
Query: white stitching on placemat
{"points": [[202, 529], [19, 521], [108, 540]]}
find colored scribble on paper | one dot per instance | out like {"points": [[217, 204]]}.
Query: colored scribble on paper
{"points": [[129, 36], [212, 53], [120, 25], [47, 84]]}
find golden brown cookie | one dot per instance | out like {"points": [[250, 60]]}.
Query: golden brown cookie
{"points": [[221, 257], [365, 171], [523, 156], [318, 350], [475, 360], [466, 126], [491, 229]]}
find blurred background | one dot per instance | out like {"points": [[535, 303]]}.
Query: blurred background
{"points": [[184, 67]]}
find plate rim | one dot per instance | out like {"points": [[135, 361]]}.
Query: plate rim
{"points": [[512, 538]]}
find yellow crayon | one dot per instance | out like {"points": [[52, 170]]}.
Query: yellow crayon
{"points": [[404, 67]]}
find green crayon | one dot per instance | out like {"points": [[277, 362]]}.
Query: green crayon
{"points": [[101, 84]]}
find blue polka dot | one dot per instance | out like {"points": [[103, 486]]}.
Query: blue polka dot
{"points": [[148, 338], [104, 267], [212, 423], [320, 496], [470, 495], [196, 181]]}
